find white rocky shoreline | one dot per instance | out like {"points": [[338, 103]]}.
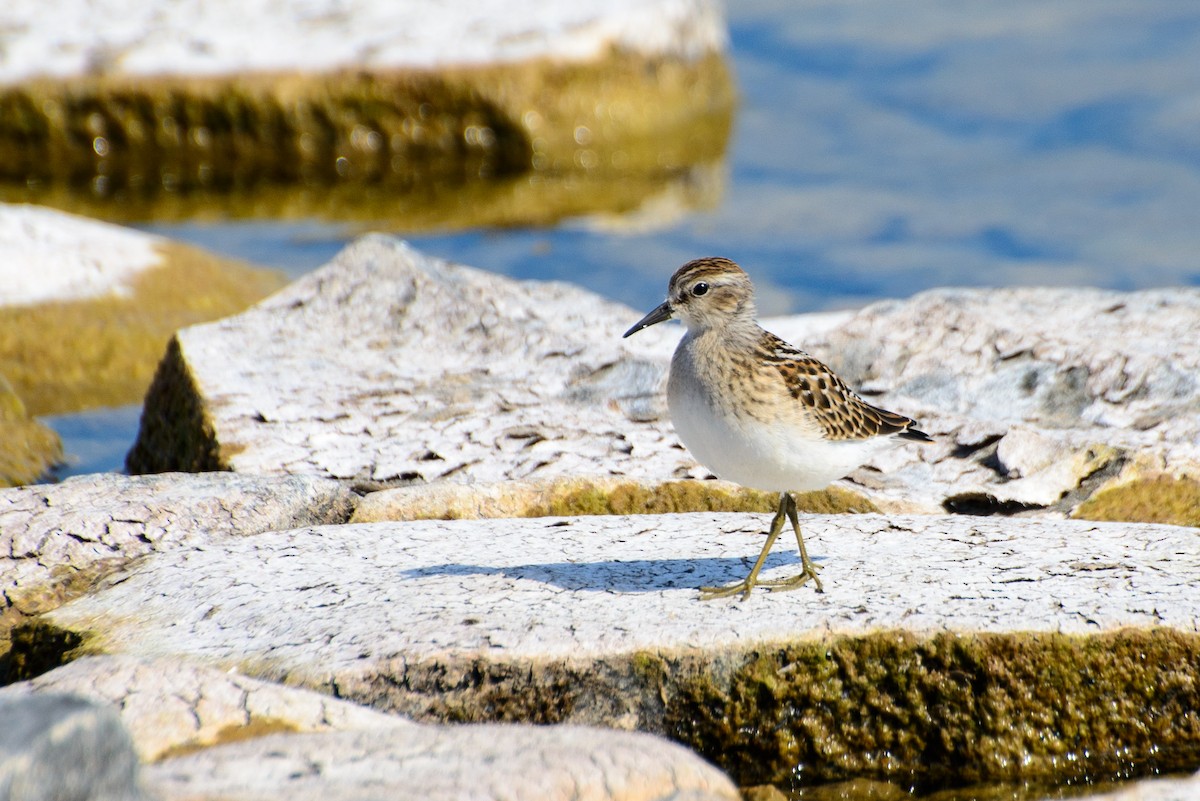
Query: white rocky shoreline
{"points": [[250, 592], [360, 556]]}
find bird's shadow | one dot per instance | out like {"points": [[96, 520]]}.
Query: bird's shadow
{"points": [[635, 575]]}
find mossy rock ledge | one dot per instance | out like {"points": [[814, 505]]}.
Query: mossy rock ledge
{"points": [[86, 308], [28, 449], [945, 650], [560, 110]]}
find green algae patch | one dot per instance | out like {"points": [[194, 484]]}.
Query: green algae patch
{"points": [[503, 144], [951, 709], [1154, 499], [28, 449], [834, 501], [69, 356], [634, 498], [584, 496]]}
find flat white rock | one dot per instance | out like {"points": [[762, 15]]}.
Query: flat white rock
{"points": [[325, 605], [48, 255], [94, 523], [1045, 374], [202, 37], [446, 763], [1161, 789], [389, 365], [168, 705]]}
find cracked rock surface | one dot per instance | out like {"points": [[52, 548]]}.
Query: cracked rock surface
{"points": [[567, 763], [390, 366], [324, 605], [215, 734], [169, 706], [58, 539], [1034, 389]]}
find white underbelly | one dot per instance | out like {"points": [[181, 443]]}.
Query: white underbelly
{"points": [[750, 453]]}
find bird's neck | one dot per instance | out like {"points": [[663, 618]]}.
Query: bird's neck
{"points": [[733, 333]]}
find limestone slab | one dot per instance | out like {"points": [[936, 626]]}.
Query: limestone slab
{"points": [[56, 539], [46, 255], [1039, 389], [446, 763], [1057, 628], [390, 367], [631, 99], [316, 603], [171, 706]]}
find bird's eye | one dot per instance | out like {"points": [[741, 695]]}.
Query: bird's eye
{"points": [[700, 289]]}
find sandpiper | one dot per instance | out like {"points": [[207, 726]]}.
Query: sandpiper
{"points": [[759, 412]]}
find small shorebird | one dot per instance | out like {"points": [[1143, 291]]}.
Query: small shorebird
{"points": [[759, 412]]}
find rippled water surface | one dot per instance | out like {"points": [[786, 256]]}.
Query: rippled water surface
{"points": [[881, 149]]}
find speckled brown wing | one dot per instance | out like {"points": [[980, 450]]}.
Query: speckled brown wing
{"points": [[840, 413]]}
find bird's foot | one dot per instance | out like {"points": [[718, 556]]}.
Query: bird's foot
{"points": [[795, 582], [712, 593]]}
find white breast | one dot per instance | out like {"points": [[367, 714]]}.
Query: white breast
{"points": [[736, 447]]}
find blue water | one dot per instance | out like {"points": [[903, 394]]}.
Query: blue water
{"points": [[95, 441], [881, 149]]}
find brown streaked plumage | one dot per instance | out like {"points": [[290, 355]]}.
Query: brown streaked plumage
{"points": [[755, 410], [840, 412]]}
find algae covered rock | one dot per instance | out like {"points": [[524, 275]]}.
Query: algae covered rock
{"points": [[86, 308], [28, 449], [1155, 497], [430, 116], [448, 500]]}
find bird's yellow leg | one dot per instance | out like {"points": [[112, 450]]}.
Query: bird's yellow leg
{"points": [[808, 569], [747, 584]]}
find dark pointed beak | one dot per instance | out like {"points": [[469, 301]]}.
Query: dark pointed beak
{"points": [[660, 314]]}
